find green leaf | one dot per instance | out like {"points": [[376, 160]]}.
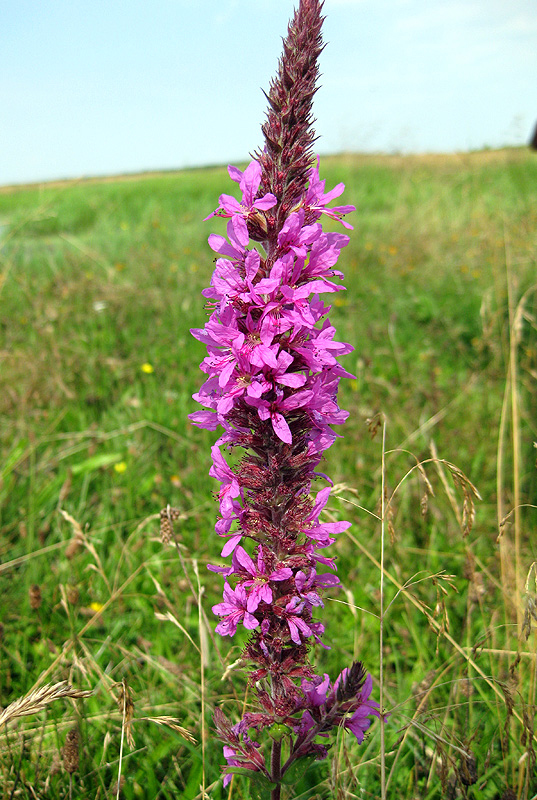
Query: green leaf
{"points": [[194, 780], [297, 770], [277, 731], [96, 462], [252, 775], [18, 453]]}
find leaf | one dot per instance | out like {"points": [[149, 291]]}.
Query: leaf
{"points": [[297, 770], [252, 775], [18, 454], [96, 462]]}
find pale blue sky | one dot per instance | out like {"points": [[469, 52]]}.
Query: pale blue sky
{"points": [[92, 87]]}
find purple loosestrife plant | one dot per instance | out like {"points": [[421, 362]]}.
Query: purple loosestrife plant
{"points": [[272, 382]]}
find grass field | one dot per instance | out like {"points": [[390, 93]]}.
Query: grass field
{"points": [[100, 282]]}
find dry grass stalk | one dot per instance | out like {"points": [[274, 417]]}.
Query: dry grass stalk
{"points": [[38, 699], [68, 646], [434, 624], [78, 540], [125, 704], [204, 657], [422, 690]]}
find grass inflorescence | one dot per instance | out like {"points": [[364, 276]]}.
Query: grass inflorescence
{"points": [[100, 283]]}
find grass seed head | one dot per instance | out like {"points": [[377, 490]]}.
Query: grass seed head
{"points": [[168, 516], [70, 751], [38, 699], [35, 597]]}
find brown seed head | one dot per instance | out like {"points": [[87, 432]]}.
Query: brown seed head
{"points": [[35, 597], [73, 595], [70, 751]]}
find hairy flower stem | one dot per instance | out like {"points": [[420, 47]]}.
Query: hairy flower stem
{"points": [[276, 765]]}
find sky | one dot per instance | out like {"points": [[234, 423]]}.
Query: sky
{"points": [[100, 87]]}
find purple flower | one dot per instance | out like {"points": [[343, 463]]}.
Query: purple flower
{"points": [[230, 485], [305, 586], [272, 409], [234, 609], [260, 590], [295, 622], [321, 531], [316, 200], [347, 703], [248, 181], [359, 722], [316, 690]]}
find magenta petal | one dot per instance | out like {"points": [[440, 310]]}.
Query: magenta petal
{"points": [[304, 627], [265, 593], [245, 561], [282, 574], [240, 229], [204, 419], [235, 174], [332, 527], [293, 630], [250, 621], [222, 609], [266, 202], [367, 688], [217, 243], [250, 180], [320, 501], [358, 727], [230, 204], [292, 379], [300, 580], [230, 545], [253, 600], [281, 428], [336, 191], [262, 408], [227, 627], [327, 580]]}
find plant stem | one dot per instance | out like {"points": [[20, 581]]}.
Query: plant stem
{"points": [[275, 769], [381, 635]]}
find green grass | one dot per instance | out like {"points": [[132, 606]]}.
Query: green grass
{"points": [[101, 278]]}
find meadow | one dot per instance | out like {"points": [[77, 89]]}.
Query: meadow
{"points": [[100, 282]]}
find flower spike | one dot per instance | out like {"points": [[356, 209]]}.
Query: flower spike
{"points": [[272, 376]]}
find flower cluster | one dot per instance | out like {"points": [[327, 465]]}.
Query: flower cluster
{"points": [[272, 379]]}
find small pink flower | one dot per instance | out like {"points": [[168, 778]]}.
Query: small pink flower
{"points": [[234, 609], [241, 212]]}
